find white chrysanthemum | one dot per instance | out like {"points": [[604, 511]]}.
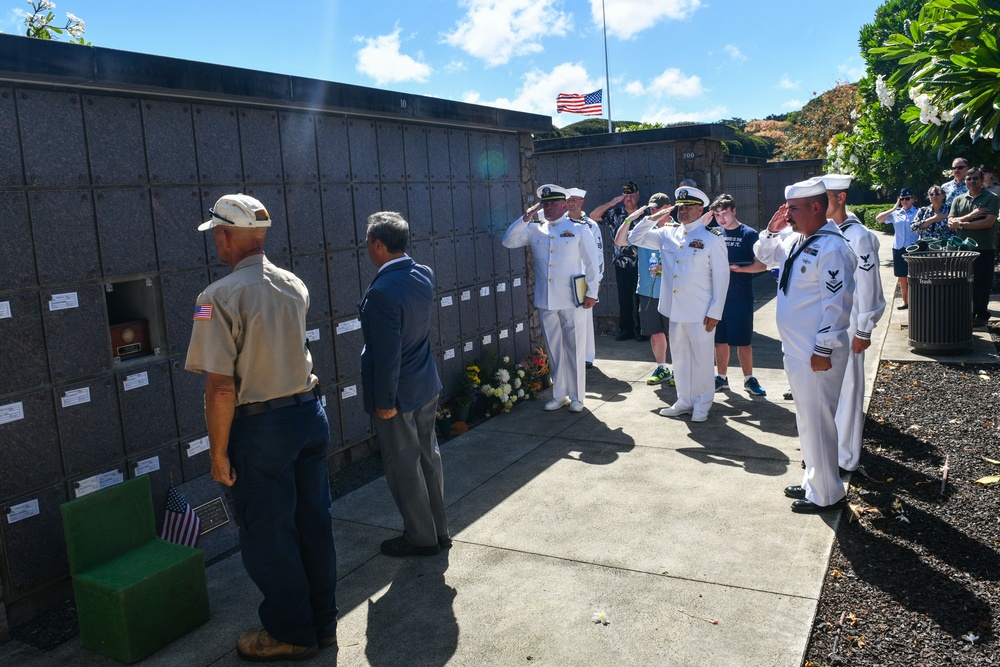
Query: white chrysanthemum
{"points": [[520, 373], [517, 383], [520, 393], [503, 375], [504, 398], [505, 388], [486, 389], [506, 360]]}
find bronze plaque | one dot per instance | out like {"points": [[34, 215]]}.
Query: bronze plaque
{"points": [[213, 515]]}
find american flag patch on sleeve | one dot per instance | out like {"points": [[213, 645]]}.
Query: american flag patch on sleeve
{"points": [[203, 311]]}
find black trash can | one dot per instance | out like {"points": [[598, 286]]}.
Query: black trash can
{"points": [[940, 300]]}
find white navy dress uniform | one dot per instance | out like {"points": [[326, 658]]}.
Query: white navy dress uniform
{"points": [[591, 352], [869, 305], [813, 316], [693, 286], [561, 249]]}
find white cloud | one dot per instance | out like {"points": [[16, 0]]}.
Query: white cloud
{"points": [[537, 94], [734, 52], [497, 30], [668, 115], [788, 84], [455, 66], [792, 105], [674, 83], [627, 18], [853, 69], [635, 88], [380, 59]]}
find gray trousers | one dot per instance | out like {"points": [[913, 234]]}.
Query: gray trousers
{"points": [[412, 463]]}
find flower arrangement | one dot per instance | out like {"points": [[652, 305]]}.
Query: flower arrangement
{"points": [[496, 385], [536, 371]]}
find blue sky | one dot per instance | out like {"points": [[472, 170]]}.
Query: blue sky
{"points": [[670, 60]]}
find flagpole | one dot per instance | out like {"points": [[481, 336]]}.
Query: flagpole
{"points": [[607, 76]]}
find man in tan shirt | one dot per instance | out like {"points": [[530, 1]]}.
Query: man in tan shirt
{"points": [[268, 434]]}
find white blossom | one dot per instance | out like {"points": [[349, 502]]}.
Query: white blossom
{"points": [[886, 95], [503, 375]]}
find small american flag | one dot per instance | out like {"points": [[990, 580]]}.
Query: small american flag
{"points": [[180, 524], [203, 311], [587, 105]]}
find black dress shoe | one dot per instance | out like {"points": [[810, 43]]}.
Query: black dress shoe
{"points": [[804, 506], [795, 491], [444, 541], [641, 338], [787, 395], [589, 364], [843, 472], [400, 547], [903, 307], [623, 336]]}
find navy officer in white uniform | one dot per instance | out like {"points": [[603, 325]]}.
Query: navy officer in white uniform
{"points": [[692, 294], [561, 249], [869, 305], [574, 201], [815, 296]]}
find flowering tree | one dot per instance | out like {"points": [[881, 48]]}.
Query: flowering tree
{"points": [[949, 61], [809, 131], [877, 151], [39, 23]]}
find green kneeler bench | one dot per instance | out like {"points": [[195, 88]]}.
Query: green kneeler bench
{"points": [[134, 592]]}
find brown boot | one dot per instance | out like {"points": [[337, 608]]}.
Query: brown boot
{"points": [[258, 646]]}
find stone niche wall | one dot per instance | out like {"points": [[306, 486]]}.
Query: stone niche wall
{"points": [[101, 192]]}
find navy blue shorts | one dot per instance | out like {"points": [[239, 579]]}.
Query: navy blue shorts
{"points": [[650, 320], [736, 326], [898, 263]]}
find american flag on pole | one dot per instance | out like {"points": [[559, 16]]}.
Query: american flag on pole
{"points": [[180, 524], [587, 105]]}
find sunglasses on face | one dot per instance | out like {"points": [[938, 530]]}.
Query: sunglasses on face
{"points": [[905, 198], [960, 167]]}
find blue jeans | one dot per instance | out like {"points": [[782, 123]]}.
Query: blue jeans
{"points": [[284, 512]]}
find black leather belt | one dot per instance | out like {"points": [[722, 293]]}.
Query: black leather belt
{"points": [[251, 409]]}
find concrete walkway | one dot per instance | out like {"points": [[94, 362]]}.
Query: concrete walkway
{"points": [[678, 532]]}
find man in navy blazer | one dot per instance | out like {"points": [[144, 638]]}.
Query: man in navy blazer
{"points": [[401, 385]]}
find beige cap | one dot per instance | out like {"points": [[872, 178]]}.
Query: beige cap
{"points": [[236, 211]]}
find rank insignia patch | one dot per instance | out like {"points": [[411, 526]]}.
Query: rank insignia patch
{"points": [[833, 284], [567, 234], [697, 244]]}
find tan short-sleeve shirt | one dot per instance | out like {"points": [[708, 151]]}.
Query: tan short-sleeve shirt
{"points": [[251, 326]]}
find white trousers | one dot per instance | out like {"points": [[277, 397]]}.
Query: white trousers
{"points": [[693, 351], [850, 416], [566, 341], [591, 348], [816, 395]]}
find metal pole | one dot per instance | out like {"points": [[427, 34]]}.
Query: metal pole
{"points": [[607, 75]]}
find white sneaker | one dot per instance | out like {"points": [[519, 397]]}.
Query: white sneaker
{"points": [[674, 411], [699, 416], [557, 403], [576, 406]]}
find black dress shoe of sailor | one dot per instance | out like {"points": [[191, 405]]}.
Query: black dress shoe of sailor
{"points": [[795, 491], [804, 506]]}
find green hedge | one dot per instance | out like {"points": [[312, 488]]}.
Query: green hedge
{"points": [[866, 213]]}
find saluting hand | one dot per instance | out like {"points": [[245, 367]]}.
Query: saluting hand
{"points": [[778, 220]]}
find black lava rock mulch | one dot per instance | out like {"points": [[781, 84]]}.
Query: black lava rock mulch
{"points": [[914, 578]]}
